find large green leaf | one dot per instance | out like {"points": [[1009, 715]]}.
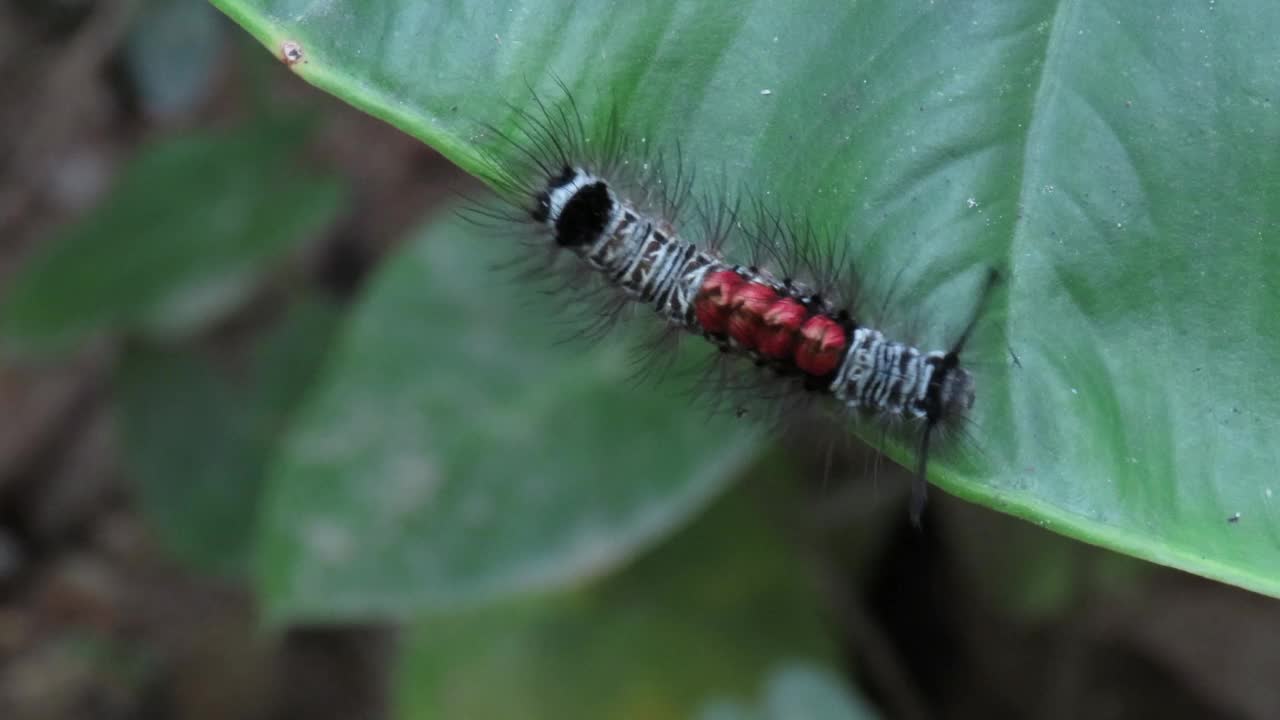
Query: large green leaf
{"points": [[1118, 161], [681, 624], [454, 453], [191, 224]]}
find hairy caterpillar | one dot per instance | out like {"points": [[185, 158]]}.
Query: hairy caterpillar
{"points": [[619, 212]]}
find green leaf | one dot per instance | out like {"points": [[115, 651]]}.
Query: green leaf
{"points": [[456, 453], [195, 441], [681, 624], [188, 228], [1120, 164], [796, 690]]}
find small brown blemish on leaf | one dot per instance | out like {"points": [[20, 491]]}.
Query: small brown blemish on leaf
{"points": [[291, 52]]}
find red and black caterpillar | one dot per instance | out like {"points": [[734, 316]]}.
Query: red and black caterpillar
{"points": [[782, 324]]}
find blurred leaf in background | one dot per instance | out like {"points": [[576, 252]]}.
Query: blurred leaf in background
{"points": [[196, 440], [454, 453], [707, 612], [190, 227]]}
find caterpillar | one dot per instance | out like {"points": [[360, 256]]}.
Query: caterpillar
{"points": [[618, 210]]}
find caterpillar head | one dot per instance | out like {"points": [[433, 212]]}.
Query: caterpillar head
{"points": [[576, 206]]}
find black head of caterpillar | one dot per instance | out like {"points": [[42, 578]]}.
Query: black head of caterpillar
{"points": [[576, 209], [615, 212]]}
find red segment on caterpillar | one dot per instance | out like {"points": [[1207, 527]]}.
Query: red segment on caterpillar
{"points": [[782, 323], [749, 305], [822, 347], [714, 302]]}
